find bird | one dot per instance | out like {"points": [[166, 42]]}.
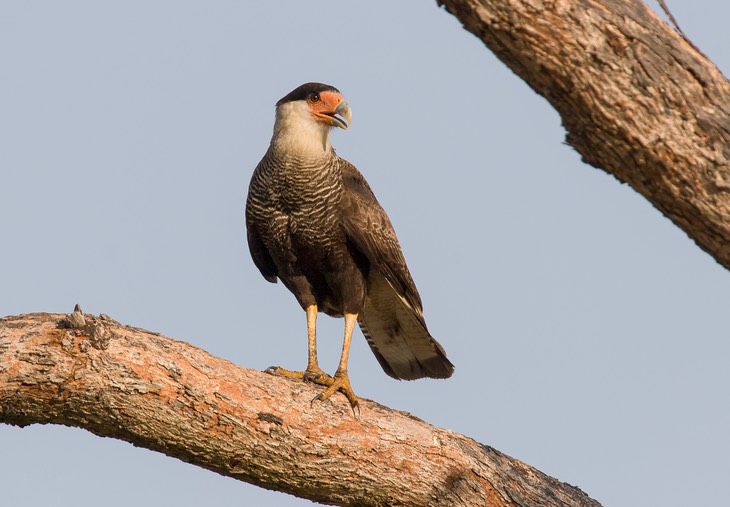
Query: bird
{"points": [[313, 222]]}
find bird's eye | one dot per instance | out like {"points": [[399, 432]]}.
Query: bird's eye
{"points": [[314, 97]]}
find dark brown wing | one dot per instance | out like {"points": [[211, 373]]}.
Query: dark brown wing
{"points": [[368, 227], [259, 253], [392, 320]]}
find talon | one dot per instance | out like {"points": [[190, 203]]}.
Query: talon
{"points": [[340, 382], [271, 370], [317, 376]]}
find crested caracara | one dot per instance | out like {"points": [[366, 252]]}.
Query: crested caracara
{"points": [[314, 223]]}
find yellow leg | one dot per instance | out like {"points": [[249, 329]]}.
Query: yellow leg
{"points": [[313, 373], [341, 380], [312, 338]]}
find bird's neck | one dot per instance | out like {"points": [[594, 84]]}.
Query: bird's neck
{"points": [[299, 136]]}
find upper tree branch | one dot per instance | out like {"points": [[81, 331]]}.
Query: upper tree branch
{"points": [[636, 99], [169, 396]]}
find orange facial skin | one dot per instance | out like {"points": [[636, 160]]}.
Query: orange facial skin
{"points": [[326, 106]]}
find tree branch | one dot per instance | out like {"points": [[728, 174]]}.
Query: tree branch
{"points": [[637, 100], [168, 396]]}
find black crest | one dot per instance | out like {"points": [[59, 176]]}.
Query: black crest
{"points": [[303, 91]]}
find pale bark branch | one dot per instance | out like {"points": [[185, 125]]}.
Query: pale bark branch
{"points": [[637, 100], [168, 396]]}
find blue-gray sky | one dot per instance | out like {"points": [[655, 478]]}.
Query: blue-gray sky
{"points": [[589, 333]]}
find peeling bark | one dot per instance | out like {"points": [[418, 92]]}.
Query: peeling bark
{"points": [[637, 99], [168, 396]]}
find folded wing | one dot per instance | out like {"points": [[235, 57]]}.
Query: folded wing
{"points": [[392, 319]]}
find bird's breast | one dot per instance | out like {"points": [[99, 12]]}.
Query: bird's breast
{"points": [[298, 200]]}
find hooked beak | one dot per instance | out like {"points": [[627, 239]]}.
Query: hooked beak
{"points": [[341, 116]]}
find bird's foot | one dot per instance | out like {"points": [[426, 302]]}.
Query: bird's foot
{"points": [[311, 374], [317, 376], [340, 382]]}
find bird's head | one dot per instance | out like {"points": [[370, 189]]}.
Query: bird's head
{"points": [[305, 116]]}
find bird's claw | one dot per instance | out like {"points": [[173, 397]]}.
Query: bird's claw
{"points": [[355, 406], [340, 382], [311, 376]]}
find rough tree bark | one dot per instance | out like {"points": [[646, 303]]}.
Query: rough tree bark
{"points": [[168, 396], [636, 99]]}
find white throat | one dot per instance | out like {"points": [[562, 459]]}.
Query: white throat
{"points": [[297, 132]]}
